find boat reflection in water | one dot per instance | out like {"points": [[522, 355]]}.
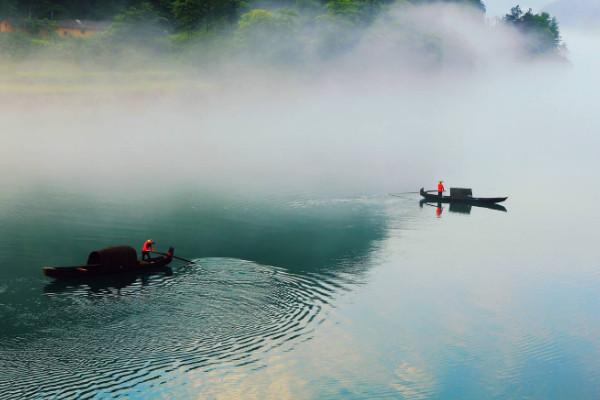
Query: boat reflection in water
{"points": [[460, 208], [107, 284]]}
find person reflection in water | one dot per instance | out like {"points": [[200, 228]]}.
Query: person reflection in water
{"points": [[438, 210]]}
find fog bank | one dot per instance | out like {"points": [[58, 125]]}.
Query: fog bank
{"points": [[384, 117]]}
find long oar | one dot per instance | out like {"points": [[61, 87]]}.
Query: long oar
{"points": [[178, 258], [403, 193]]}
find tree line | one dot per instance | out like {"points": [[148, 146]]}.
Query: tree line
{"points": [[191, 14], [180, 20]]}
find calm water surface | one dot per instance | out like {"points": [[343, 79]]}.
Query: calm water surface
{"points": [[357, 297]]}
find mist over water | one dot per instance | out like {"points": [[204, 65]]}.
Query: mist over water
{"points": [[308, 280], [377, 119]]}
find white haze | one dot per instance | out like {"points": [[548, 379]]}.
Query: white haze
{"points": [[377, 120], [582, 14]]}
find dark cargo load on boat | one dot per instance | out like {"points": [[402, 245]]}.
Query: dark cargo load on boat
{"points": [[119, 255], [460, 193]]}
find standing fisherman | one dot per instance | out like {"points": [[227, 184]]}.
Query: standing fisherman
{"points": [[441, 189], [147, 248]]}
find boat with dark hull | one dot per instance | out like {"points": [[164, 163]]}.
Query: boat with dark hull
{"points": [[458, 195], [120, 260]]}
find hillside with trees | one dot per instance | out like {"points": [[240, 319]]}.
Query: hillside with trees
{"points": [[233, 25], [541, 29]]}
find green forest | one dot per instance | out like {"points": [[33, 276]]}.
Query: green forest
{"points": [[259, 27], [191, 14]]}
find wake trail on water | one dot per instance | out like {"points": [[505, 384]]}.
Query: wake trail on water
{"points": [[216, 314]]}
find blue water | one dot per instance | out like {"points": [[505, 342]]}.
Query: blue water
{"points": [[354, 297]]}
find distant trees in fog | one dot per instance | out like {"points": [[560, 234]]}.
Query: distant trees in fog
{"points": [[262, 25], [542, 29], [193, 14]]}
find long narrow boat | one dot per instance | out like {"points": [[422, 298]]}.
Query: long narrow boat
{"points": [[109, 261], [434, 198]]}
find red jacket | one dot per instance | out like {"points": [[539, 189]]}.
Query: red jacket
{"points": [[147, 246], [440, 187]]}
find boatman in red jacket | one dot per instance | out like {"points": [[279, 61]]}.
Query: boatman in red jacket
{"points": [[441, 189], [147, 248]]}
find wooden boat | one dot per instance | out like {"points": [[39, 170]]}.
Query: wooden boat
{"points": [[109, 261], [460, 196]]}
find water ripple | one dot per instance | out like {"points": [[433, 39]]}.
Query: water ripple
{"points": [[127, 336]]}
